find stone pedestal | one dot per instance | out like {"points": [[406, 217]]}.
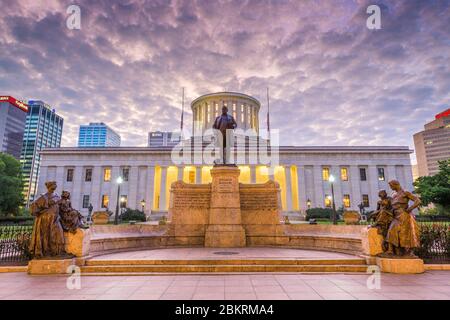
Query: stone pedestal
{"points": [[401, 265], [49, 266], [225, 223], [78, 243], [371, 241]]}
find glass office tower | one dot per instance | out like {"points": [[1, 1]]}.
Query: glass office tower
{"points": [[97, 135], [43, 129]]}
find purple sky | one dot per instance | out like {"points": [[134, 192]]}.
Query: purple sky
{"points": [[332, 81]]}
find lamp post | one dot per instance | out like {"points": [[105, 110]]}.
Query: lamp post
{"points": [[308, 203], [119, 182], [331, 179], [143, 204]]}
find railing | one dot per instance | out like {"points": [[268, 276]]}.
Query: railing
{"points": [[434, 241], [14, 243]]}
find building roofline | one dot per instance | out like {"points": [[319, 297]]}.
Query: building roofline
{"points": [[230, 93], [283, 149]]}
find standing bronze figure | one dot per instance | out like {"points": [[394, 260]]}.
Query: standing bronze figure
{"points": [[383, 216], [403, 234], [225, 123], [47, 239]]}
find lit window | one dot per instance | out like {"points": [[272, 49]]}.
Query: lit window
{"points": [[328, 201], [192, 176], [105, 201], [381, 174], [344, 174], [123, 201], [365, 200], [107, 174], [69, 175], [429, 142], [346, 200], [325, 174]]}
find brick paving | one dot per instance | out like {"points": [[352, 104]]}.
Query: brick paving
{"points": [[430, 285]]}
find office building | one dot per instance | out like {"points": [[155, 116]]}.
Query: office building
{"points": [[97, 135], [13, 114]]}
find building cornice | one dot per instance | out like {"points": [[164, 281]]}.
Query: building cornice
{"points": [[225, 93]]}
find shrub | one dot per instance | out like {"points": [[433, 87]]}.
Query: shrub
{"points": [[319, 213], [135, 215], [434, 240], [21, 220]]}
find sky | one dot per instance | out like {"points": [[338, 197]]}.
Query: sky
{"points": [[332, 80]]}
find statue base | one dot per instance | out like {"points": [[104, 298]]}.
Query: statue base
{"points": [[78, 243], [225, 236], [49, 266], [372, 242], [400, 265]]}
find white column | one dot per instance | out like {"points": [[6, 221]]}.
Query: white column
{"points": [[373, 185], [133, 182], [115, 173], [301, 185], [252, 174], [287, 174], [198, 174], [355, 197], [43, 172], [95, 196], [336, 172], [163, 188], [318, 188], [76, 192], [391, 175], [150, 188], [59, 178], [409, 179], [180, 173]]}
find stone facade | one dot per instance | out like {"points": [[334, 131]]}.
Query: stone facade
{"points": [[150, 173]]}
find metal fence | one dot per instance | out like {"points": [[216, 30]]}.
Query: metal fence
{"points": [[14, 242], [434, 241]]}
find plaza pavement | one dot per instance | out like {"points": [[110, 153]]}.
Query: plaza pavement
{"points": [[430, 285]]}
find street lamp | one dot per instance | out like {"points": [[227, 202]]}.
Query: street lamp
{"points": [[331, 179], [143, 204], [119, 182], [308, 203]]}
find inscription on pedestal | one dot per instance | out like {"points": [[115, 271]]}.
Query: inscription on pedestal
{"points": [[191, 200], [259, 201], [225, 185]]}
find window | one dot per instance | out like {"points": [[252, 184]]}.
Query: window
{"points": [[381, 174], [107, 174], [85, 201], [325, 174], [346, 200], [365, 200], [123, 201], [362, 174], [105, 201], [69, 177], [125, 174], [88, 175], [344, 174], [192, 176], [328, 202]]}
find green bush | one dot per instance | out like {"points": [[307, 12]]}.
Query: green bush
{"points": [[133, 215], [434, 240], [319, 213]]}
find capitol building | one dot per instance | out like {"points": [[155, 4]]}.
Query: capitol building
{"points": [[303, 173]]}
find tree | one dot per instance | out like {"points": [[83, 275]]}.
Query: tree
{"points": [[436, 189], [11, 185]]}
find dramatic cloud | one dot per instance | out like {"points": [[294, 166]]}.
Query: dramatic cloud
{"points": [[332, 80]]}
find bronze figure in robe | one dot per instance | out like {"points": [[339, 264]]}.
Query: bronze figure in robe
{"points": [[71, 219]]}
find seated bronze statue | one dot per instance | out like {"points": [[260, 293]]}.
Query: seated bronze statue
{"points": [[383, 216], [71, 219]]}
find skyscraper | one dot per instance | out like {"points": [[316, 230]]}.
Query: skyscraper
{"points": [[97, 135], [433, 144], [163, 139], [13, 113], [43, 129]]}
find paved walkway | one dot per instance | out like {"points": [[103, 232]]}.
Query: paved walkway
{"points": [[223, 253], [430, 285]]}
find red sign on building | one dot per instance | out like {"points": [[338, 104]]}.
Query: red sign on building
{"points": [[446, 113], [17, 103]]}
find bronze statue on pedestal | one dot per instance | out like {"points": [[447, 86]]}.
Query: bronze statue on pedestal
{"points": [[224, 124]]}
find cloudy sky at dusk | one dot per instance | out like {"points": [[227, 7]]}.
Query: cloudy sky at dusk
{"points": [[332, 80]]}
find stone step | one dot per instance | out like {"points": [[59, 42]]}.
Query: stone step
{"points": [[220, 268], [350, 261]]}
